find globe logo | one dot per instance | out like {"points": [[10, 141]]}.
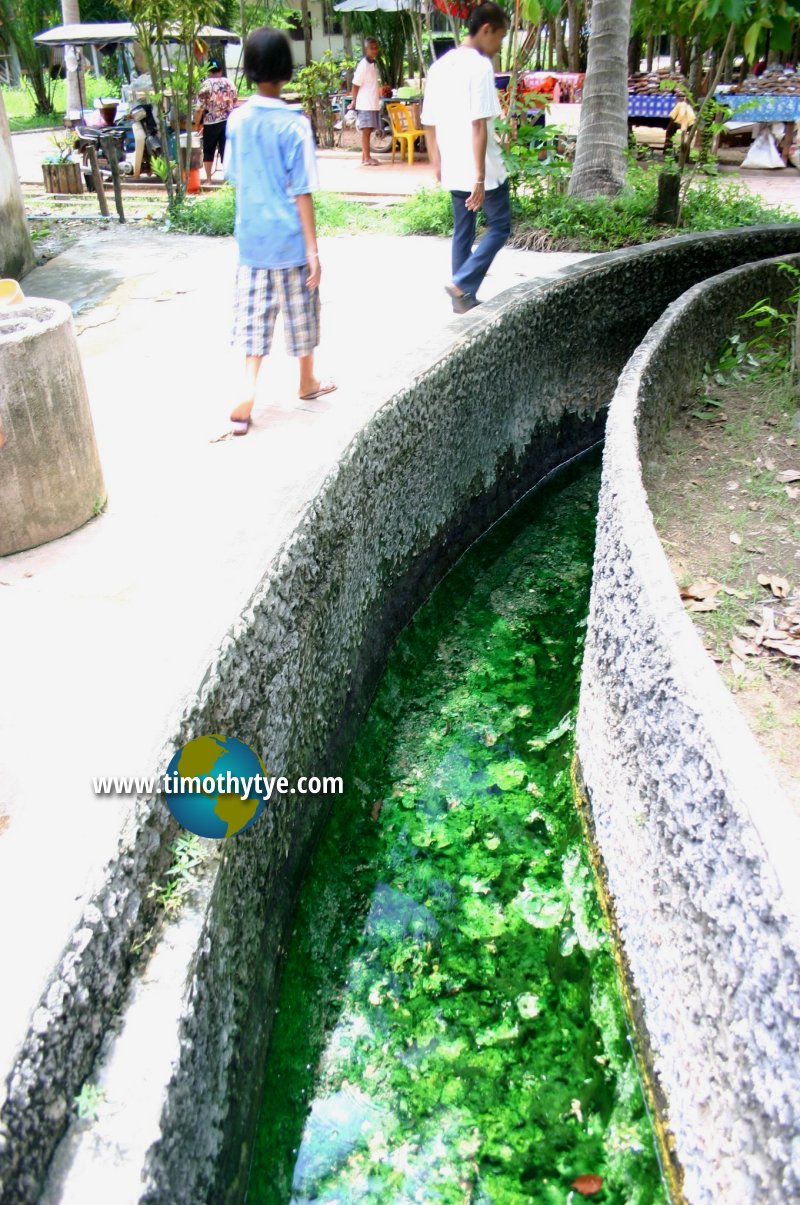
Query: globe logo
{"points": [[215, 786]]}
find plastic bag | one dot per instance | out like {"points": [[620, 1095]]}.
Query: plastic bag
{"points": [[763, 153]]}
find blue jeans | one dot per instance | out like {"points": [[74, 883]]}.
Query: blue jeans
{"points": [[470, 267]]}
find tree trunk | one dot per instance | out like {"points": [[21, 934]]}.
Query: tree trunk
{"points": [[635, 54], [306, 19], [603, 133], [574, 18], [673, 52], [16, 249], [561, 45], [651, 46], [14, 66], [550, 46], [695, 66], [76, 84]]}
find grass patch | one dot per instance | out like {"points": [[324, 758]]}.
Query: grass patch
{"points": [[544, 221], [20, 103], [214, 214]]}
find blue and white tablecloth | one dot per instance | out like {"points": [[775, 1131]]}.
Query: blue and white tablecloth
{"points": [[659, 104], [761, 108]]}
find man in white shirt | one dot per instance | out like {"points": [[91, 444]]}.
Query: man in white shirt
{"points": [[458, 113], [366, 98]]}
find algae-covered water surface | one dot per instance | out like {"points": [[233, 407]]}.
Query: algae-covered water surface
{"points": [[451, 1027]]}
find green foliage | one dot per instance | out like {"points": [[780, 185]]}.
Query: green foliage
{"points": [[392, 32], [449, 1003], [553, 222], [773, 344], [215, 214], [88, 1102], [428, 211], [63, 145], [316, 83], [176, 74], [20, 103], [188, 856], [20, 22]]}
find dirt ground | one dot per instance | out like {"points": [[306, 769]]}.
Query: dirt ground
{"points": [[724, 489]]}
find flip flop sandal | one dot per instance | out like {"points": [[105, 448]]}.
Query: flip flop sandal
{"points": [[326, 387], [240, 426]]}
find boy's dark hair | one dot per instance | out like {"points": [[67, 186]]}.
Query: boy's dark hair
{"points": [[268, 57], [487, 14]]}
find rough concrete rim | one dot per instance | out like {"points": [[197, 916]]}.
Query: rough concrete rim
{"points": [[756, 817]]}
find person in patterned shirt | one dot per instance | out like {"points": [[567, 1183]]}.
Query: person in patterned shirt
{"points": [[215, 101]]}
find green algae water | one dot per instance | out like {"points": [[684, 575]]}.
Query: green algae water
{"points": [[451, 1027]]}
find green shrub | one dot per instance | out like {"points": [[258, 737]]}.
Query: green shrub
{"points": [[428, 211], [554, 222], [212, 215]]}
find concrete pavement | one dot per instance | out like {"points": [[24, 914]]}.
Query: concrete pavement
{"points": [[110, 630]]}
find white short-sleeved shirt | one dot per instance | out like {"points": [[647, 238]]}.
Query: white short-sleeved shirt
{"points": [[369, 86], [460, 89]]}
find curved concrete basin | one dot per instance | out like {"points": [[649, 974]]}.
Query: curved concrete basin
{"points": [[525, 388], [699, 844]]}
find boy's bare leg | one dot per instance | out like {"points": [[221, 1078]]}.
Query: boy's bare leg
{"points": [[366, 158], [308, 382], [251, 367]]}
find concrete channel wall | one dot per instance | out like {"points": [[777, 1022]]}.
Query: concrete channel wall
{"points": [[524, 388], [699, 844]]}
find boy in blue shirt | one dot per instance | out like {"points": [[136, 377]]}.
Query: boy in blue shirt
{"points": [[270, 159]]}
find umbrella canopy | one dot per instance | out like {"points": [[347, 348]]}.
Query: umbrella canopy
{"points": [[372, 6], [116, 31]]}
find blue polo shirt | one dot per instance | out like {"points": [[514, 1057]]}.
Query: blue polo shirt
{"points": [[270, 159]]}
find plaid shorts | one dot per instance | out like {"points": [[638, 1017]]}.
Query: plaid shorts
{"points": [[260, 294]]}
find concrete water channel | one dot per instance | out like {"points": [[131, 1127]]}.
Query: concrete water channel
{"points": [[524, 388]]}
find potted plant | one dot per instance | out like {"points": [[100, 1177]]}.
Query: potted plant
{"points": [[60, 171]]}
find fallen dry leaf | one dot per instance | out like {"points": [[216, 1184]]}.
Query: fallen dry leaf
{"points": [[587, 1186], [376, 809], [792, 492], [789, 647], [703, 587], [738, 666], [742, 648], [705, 604], [769, 465], [778, 585], [787, 476], [734, 593], [735, 538]]}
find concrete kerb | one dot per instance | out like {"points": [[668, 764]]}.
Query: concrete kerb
{"points": [[699, 844], [524, 388]]}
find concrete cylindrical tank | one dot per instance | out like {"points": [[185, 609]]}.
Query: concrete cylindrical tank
{"points": [[50, 476]]}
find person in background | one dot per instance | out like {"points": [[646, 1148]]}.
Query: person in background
{"points": [[215, 101], [271, 162], [366, 99], [458, 114]]}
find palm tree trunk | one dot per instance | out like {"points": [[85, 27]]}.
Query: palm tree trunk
{"points": [[76, 86], [603, 133]]}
